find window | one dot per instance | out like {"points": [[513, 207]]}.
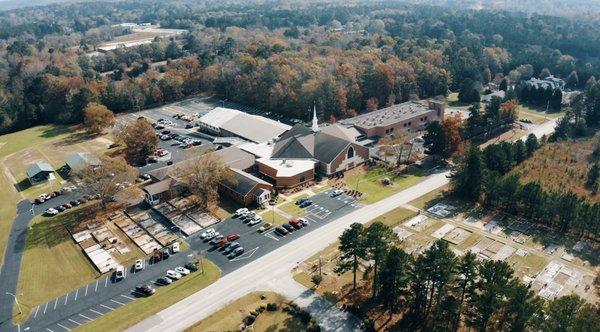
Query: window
{"points": [[350, 153]]}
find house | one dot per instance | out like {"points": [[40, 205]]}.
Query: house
{"points": [[407, 117], [39, 172], [160, 191], [79, 160], [550, 81], [246, 188], [228, 122], [488, 98], [301, 152]]}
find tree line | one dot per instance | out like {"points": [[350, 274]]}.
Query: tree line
{"points": [[439, 291]]}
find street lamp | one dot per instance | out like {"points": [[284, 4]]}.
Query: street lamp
{"points": [[16, 301]]}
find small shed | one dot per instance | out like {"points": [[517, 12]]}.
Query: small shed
{"points": [[39, 172], [79, 160]]}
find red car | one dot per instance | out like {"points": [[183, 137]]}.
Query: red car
{"points": [[295, 223], [67, 205], [220, 243], [233, 237]]}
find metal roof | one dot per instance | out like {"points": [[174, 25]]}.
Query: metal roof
{"points": [[37, 168]]}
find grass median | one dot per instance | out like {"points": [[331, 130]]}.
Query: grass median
{"points": [[165, 296]]}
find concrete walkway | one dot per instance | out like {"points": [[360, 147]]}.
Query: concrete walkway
{"points": [[329, 316]]}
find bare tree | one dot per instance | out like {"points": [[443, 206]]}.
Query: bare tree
{"points": [[97, 118], [201, 177], [106, 179], [393, 146]]}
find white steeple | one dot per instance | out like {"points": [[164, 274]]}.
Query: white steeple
{"points": [[315, 123]]}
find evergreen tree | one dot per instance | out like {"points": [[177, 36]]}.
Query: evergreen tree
{"points": [[503, 85], [531, 144], [393, 279], [379, 239], [466, 270], [435, 139], [572, 80], [353, 248], [561, 313], [466, 180]]}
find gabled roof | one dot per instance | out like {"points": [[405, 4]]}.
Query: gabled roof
{"points": [[37, 168], [158, 187], [302, 143], [242, 182], [328, 147]]}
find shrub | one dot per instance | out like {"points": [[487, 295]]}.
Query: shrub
{"points": [[272, 306], [249, 320], [316, 279]]}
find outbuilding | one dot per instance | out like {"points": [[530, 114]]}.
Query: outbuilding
{"points": [[39, 172]]}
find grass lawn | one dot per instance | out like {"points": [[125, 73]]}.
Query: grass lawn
{"points": [[23, 139], [395, 217], [369, 183], [291, 207], [528, 264], [50, 252], [136, 311], [230, 317], [321, 189], [429, 199], [273, 217], [226, 208], [536, 114], [8, 210], [453, 101]]}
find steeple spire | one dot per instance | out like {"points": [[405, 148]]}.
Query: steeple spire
{"points": [[315, 123]]}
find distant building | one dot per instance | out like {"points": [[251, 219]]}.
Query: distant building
{"points": [[39, 172], [246, 188], [408, 117], [550, 81], [79, 160], [487, 98], [233, 123]]}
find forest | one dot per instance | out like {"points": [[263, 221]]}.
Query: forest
{"points": [[348, 58]]}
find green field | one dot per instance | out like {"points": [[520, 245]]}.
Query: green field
{"points": [[136, 311], [291, 208], [369, 183], [395, 217], [273, 217]]}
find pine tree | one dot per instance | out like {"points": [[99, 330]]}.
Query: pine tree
{"points": [[393, 279], [353, 248]]}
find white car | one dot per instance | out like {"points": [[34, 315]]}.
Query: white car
{"points": [[182, 270], [119, 273], [212, 236], [207, 233], [173, 275], [255, 221], [51, 212], [241, 211], [139, 265], [336, 193], [175, 248]]}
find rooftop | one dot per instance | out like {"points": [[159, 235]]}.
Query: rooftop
{"points": [[82, 159], [388, 115], [38, 167], [287, 168], [254, 128], [243, 182]]}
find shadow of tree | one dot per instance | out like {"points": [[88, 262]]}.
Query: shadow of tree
{"points": [[54, 131], [75, 138]]}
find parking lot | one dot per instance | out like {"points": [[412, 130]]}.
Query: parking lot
{"points": [[98, 298]]}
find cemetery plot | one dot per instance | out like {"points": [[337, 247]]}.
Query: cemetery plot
{"points": [[457, 236], [441, 210], [402, 233], [419, 222]]}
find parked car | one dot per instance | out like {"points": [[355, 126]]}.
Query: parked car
{"points": [[212, 236], [336, 193], [236, 252], [255, 221], [82, 200], [233, 237], [139, 265], [281, 231], [182, 270], [166, 132], [207, 233], [239, 212], [75, 203], [306, 203], [303, 221], [119, 273], [165, 253], [164, 281], [216, 239], [147, 290], [173, 275], [231, 247], [165, 137], [220, 243], [38, 201], [265, 227], [60, 208], [51, 212], [300, 201], [191, 266], [288, 227], [295, 223], [67, 206], [175, 248]]}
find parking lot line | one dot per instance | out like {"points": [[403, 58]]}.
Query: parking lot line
{"points": [[107, 307], [74, 321], [49, 330], [36, 311], [117, 302], [45, 307], [127, 297], [64, 327], [96, 288], [76, 293], [97, 312], [66, 298], [55, 302], [86, 317], [106, 282]]}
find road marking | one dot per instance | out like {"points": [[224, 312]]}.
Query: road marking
{"points": [[86, 317], [106, 282], [250, 253], [107, 307], [36, 311], [127, 297], [117, 302], [55, 302], [76, 293], [86, 287], [47, 329], [96, 289], [46, 307], [97, 312], [66, 298], [64, 327], [74, 321]]}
